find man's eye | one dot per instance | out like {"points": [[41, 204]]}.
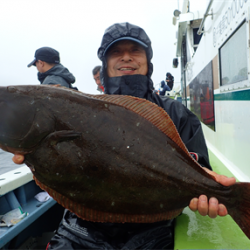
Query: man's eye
{"points": [[136, 50], [115, 51]]}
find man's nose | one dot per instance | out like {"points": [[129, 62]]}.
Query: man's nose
{"points": [[126, 56]]}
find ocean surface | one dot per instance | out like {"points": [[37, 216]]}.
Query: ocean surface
{"points": [[6, 163]]}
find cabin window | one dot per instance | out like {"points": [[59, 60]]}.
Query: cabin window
{"points": [[196, 38], [233, 58], [201, 96]]}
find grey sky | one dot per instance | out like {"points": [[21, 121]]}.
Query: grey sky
{"points": [[75, 29]]}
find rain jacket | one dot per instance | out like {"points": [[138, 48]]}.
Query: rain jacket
{"points": [[57, 75], [187, 124], [75, 233], [171, 80], [164, 88]]}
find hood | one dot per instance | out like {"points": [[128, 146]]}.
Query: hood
{"points": [[169, 76], [162, 84], [58, 70], [116, 32]]}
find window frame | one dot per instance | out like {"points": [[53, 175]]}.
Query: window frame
{"points": [[241, 84]]}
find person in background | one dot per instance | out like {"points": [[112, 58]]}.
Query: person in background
{"points": [[155, 91], [96, 75], [170, 80], [164, 88], [50, 71], [126, 55]]}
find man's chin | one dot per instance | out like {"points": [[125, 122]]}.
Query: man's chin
{"points": [[128, 73]]}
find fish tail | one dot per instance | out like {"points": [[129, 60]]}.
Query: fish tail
{"points": [[241, 212]]}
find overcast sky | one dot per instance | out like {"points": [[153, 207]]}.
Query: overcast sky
{"points": [[75, 28]]}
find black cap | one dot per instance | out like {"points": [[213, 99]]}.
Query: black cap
{"points": [[124, 31], [46, 54], [124, 38]]}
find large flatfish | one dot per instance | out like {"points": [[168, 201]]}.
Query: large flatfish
{"points": [[109, 158]]}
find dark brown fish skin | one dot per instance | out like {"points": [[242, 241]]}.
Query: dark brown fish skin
{"points": [[101, 155]]}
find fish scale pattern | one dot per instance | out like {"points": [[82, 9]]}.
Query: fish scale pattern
{"points": [[159, 118], [150, 111]]}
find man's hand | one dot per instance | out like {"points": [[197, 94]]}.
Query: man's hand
{"points": [[18, 159], [211, 208]]}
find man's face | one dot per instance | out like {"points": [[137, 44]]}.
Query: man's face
{"points": [[126, 58], [97, 79], [39, 66]]}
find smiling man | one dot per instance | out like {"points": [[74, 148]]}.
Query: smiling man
{"points": [[134, 59], [126, 55]]}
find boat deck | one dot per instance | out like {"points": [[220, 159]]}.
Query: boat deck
{"points": [[193, 231], [17, 189]]}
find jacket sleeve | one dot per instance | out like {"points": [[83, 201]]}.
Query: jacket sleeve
{"points": [[189, 128]]}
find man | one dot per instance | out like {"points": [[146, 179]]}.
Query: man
{"points": [[96, 75], [170, 80], [165, 88], [126, 55], [50, 71]]}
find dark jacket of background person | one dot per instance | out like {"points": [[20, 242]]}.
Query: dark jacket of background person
{"points": [[57, 75], [164, 88], [170, 80], [75, 233]]}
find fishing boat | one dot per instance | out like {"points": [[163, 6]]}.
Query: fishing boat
{"points": [[212, 53], [212, 49]]}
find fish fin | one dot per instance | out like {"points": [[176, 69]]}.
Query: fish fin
{"points": [[150, 111], [99, 216], [62, 135], [241, 212]]}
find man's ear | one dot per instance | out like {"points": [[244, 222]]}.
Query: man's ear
{"points": [[42, 63], [39, 61]]}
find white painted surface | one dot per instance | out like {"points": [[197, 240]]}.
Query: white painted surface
{"points": [[14, 179], [231, 139], [217, 30]]}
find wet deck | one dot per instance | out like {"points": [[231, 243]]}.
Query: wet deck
{"points": [[193, 231]]}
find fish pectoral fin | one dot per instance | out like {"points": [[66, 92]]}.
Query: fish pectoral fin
{"points": [[63, 135]]}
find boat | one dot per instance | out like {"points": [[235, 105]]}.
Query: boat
{"points": [[18, 190], [212, 53]]}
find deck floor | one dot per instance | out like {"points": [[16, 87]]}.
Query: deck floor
{"points": [[193, 231]]}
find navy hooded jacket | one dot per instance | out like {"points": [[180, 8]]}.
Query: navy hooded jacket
{"points": [[57, 75]]}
